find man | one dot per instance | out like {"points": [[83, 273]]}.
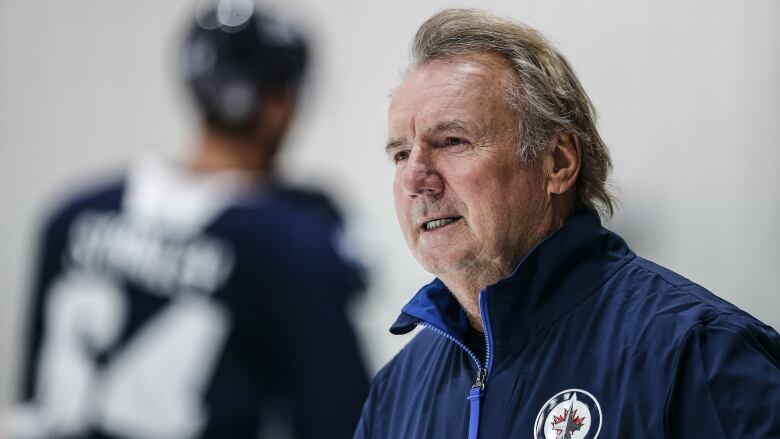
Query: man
{"points": [[200, 299], [541, 323]]}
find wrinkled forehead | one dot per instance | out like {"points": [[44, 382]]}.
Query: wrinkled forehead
{"points": [[471, 88]]}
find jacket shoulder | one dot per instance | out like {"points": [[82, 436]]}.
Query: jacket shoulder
{"points": [[660, 307], [655, 281], [422, 348]]}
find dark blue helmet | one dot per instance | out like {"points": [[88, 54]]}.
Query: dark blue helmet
{"points": [[233, 54]]}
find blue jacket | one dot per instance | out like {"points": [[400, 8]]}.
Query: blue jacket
{"points": [[585, 339]]}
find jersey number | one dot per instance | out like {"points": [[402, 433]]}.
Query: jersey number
{"points": [[152, 388]]}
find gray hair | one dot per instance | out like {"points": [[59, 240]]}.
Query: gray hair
{"points": [[548, 97]]}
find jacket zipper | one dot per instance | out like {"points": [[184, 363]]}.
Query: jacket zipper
{"points": [[477, 391]]}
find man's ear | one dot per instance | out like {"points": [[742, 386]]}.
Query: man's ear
{"points": [[564, 165]]}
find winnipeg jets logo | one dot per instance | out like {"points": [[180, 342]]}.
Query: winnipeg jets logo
{"points": [[571, 414], [567, 423]]}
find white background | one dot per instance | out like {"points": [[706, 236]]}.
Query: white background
{"points": [[688, 94]]}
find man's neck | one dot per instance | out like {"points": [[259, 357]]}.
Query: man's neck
{"points": [[466, 283], [465, 286], [219, 152]]}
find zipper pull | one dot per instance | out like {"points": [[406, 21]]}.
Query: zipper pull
{"points": [[475, 399], [481, 374]]}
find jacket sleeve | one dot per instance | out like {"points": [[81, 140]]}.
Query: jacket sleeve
{"points": [[727, 382], [367, 428]]}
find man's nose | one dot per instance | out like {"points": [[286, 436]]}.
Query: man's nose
{"points": [[420, 176]]}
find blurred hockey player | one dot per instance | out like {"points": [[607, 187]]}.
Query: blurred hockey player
{"points": [[202, 298]]}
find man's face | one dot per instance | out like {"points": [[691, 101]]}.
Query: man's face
{"points": [[465, 202]]}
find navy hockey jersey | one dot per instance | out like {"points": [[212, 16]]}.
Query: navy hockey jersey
{"points": [[584, 340], [174, 305]]}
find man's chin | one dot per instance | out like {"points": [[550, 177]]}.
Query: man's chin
{"points": [[438, 263]]}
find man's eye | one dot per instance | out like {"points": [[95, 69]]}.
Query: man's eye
{"points": [[400, 156], [451, 141]]}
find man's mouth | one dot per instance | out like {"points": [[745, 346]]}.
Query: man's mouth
{"points": [[439, 223]]}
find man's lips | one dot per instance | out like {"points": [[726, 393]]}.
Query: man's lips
{"points": [[438, 223]]}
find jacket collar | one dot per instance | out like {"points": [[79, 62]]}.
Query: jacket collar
{"points": [[554, 278]]}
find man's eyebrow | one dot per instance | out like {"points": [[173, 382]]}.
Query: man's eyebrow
{"points": [[443, 126], [394, 143], [450, 125]]}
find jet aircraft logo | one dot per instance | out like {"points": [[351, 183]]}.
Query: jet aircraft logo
{"points": [[570, 414]]}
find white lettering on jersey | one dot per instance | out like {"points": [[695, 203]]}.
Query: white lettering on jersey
{"points": [[156, 259]]}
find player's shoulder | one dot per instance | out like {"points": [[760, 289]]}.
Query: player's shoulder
{"points": [[281, 210], [105, 195], [306, 198], [279, 199]]}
